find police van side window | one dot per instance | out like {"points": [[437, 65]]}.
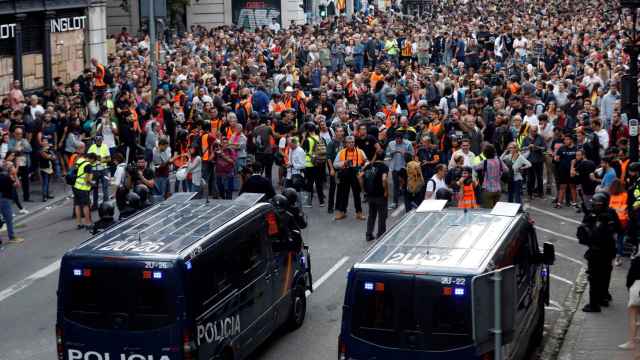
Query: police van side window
{"points": [[249, 253], [211, 279]]}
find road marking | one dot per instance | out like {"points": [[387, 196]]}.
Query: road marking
{"points": [[546, 212], [553, 276], [327, 275], [556, 305], [567, 257], [557, 234], [397, 211], [26, 282]]}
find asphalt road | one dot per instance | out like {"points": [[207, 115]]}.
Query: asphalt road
{"points": [[28, 280]]}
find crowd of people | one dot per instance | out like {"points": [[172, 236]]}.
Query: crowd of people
{"points": [[471, 101]]}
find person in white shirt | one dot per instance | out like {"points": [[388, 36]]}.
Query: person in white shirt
{"points": [[436, 182], [603, 135], [465, 152], [531, 118], [520, 45], [275, 25], [297, 159]]}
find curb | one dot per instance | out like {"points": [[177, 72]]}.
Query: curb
{"points": [[558, 342], [41, 208]]}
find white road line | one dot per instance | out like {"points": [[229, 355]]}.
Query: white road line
{"points": [[566, 281], [26, 282], [327, 275], [567, 257], [556, 305], [572, 238], [397, 211], [546, 212], [553, 308]]}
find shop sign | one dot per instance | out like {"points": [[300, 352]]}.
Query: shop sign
{"points": [[8, 31]]}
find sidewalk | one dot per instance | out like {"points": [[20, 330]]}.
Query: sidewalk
{"points": [[57, 188], [596, 336]]}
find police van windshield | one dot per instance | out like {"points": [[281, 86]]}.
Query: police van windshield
{"points": [[119, 298], [413, 312]]}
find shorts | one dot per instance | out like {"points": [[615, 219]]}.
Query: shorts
{"points": [[81, 198], [564, 178]]}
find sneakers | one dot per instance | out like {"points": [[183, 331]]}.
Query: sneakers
{"points": [[360, 216], [23, 211], [340, 215], [629, 345], [15, 240], [618, 261], [321, 203]]}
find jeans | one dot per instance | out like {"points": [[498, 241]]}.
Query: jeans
{"points": [[100, 177], [620, 244], [46, 178], [7, 215], [267, 161], [359, 62], [395, 175], [225, 185], [332, 191], [193, 187], [180, 185], [23, 175], [377, 208], [515, 191], [348, 183], [534, 181], [314, 175], [162, 186], [209, 175]]}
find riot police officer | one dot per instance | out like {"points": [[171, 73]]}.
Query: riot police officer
{"points": [[106, 211], [598, 231], [291, 217]]}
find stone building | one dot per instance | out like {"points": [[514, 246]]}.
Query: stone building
{"points": [[41, 40]]}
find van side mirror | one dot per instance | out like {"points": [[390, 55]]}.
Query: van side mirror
{"points": [[548, 254]]}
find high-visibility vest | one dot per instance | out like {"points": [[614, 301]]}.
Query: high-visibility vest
{"points": [[406, 48], [468, 198], [312, 144], [102, 152], [206, 147], [389, 110], [279, 107], [81, 179], [100, 74], [619, 204], [357, 159]]}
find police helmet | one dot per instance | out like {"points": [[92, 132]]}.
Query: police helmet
{"points": [[292, 196], [280, 201], [106, 210], [133, 200], [600, 201], [143, 193]]}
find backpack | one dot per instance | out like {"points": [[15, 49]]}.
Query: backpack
{"points": [[259, 144], [108, 77], [319, 152], [451, 103], [370, 174], [72, 175]]}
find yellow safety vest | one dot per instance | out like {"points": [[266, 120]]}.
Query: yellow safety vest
{"points": [[101, 152], [81, 179], [312, 144]]}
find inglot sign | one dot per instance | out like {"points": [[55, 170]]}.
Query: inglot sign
{"points": [[7, 31]]}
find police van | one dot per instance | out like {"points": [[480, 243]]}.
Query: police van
{"points": [[184, 279], [410, 297]]}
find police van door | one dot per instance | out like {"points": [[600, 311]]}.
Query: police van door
{"points": [[282, 267], [250, 255]]}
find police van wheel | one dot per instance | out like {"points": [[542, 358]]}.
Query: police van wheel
{"points": [[298, 308]]}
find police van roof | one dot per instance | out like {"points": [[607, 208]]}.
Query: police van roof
{"points": [[443, 241], [168, 228]]}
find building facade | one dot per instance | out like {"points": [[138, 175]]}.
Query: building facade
{"points": [[208, 13], [41, 40]]}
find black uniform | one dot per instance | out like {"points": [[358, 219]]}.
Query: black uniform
{"points": [[602, 227]]}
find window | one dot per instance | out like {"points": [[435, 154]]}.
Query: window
{"points": [[211, 279]]}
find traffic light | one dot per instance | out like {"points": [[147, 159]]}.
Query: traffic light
{"points": [[323, 10]]}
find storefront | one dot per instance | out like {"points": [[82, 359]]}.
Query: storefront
{"points": [[44, 40]]}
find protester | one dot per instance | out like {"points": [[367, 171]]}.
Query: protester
{"points": [[374, 181], [516, 163]]}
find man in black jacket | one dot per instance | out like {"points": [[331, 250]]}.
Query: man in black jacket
{"points": [[257, 183], [6, 191], [598, 231]]}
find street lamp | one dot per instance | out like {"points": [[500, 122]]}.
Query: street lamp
{"points": [[630, 80]]}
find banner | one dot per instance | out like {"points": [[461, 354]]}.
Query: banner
{"points": [[252, 14]]}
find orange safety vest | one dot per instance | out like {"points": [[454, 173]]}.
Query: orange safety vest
{"points": [[468, 199], [215, 124], [619, 204], [100, 73], [353, 155], [279, 107], [301, 106], [406, 49], [206, 147], [624, 165], [388, 111]]}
